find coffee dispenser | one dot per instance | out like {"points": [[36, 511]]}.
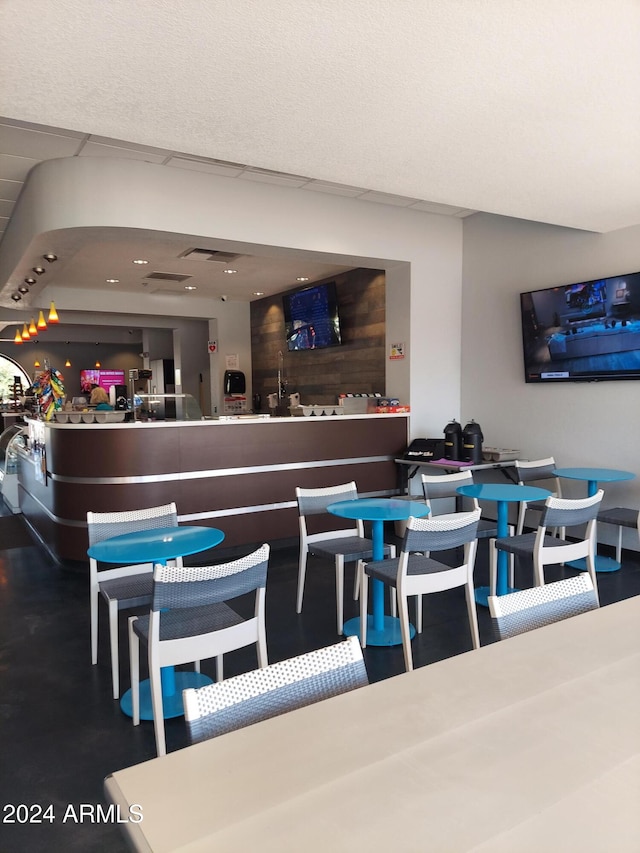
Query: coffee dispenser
{"points": [[472, 439], [453, 440]]}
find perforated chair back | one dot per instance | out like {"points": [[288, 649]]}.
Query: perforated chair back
{"points": [[105, 525], [542, 473], [518, 612], [264, 693], [437, 487], [123, 587], [440, 533], [316, 501]]}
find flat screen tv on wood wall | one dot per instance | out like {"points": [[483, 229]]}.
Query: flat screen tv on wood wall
{"points": [[583, 332], [311, 317]]}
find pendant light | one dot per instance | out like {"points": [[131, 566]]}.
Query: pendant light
{"points": [[67, 363], [36, 363], [42, 323], [53, 314], [18, 337], [32, 328], [25, 333]]}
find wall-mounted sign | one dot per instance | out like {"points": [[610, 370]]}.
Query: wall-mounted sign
{"points": [[231, 361], [212, 346], [396, 351]]}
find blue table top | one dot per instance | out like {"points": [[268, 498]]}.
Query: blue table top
{"points": [[602, 475], [511, 492], [155, 545], [379, 509]]}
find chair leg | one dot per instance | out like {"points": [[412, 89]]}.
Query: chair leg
{"points": [[521, 516], [473, 614], [364, 595], [134, 667], [220, 668], [356, 585], [113, 642], [155, 677], [95, 594], [393, 606], [302, 570], [538, 572], [493, 567], [418, 614], [339, 592], [403, 611], [196, 666], [619, 545]]}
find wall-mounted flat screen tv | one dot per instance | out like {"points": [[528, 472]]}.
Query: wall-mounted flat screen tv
{"points": [[102, 377], [311, 317], [585, 332]]}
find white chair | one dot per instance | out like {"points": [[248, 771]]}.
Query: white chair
{"points": [[416, 574], [439, 487], [547, 550], [345, 545], [189, 622], [527, 609], [621, 517], [264, 693], [540, 473], [124, 587]]}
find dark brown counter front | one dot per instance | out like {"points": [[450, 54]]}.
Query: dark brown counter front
{"points": [[239, 476]]}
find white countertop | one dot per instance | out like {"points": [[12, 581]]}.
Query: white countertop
{"points": [[527, 745], [224, 420]]}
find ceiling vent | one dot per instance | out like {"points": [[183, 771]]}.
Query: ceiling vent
{"points": [[168, 276], [209, 255]]}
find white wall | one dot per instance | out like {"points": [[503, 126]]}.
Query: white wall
{"points": [[421, 252], [580, 424]]}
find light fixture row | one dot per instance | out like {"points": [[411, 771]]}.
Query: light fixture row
{"points": [[32, 330], [29, 280]]}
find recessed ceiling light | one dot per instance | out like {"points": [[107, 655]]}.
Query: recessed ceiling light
{"points": [[229, 271], [29, 281], [39, 270], [190, 287], [302, 278], [16, 297], [140, 261], [50, 257], [258, 292], [112, 280], [23, 288]]}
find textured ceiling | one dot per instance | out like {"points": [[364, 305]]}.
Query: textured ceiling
{"points": [[526, 109]]}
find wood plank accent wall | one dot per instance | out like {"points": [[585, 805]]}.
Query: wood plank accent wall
{"points": [[357, 366]]}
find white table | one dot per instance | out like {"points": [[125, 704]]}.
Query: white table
{"points": [[526, 745]]}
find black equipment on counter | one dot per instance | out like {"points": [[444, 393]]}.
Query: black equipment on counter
{"points": [[472, 439], [424, 449], [453, 440]]}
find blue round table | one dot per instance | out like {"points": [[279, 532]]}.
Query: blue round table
{"points": [[593, 476], [503, 494], [158, 545], [381, 630]]}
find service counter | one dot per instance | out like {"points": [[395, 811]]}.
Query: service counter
{"points": [[238, 475]]}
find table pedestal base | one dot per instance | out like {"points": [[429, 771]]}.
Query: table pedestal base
{"points": [[390, 635], [171, 705], [481, 593], [603, 564]]}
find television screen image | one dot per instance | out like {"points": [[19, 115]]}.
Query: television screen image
{"points": [[583, 332], [311, 317], [102, 377]]}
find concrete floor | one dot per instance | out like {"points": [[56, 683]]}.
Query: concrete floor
{"points": [[61, 732]]}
